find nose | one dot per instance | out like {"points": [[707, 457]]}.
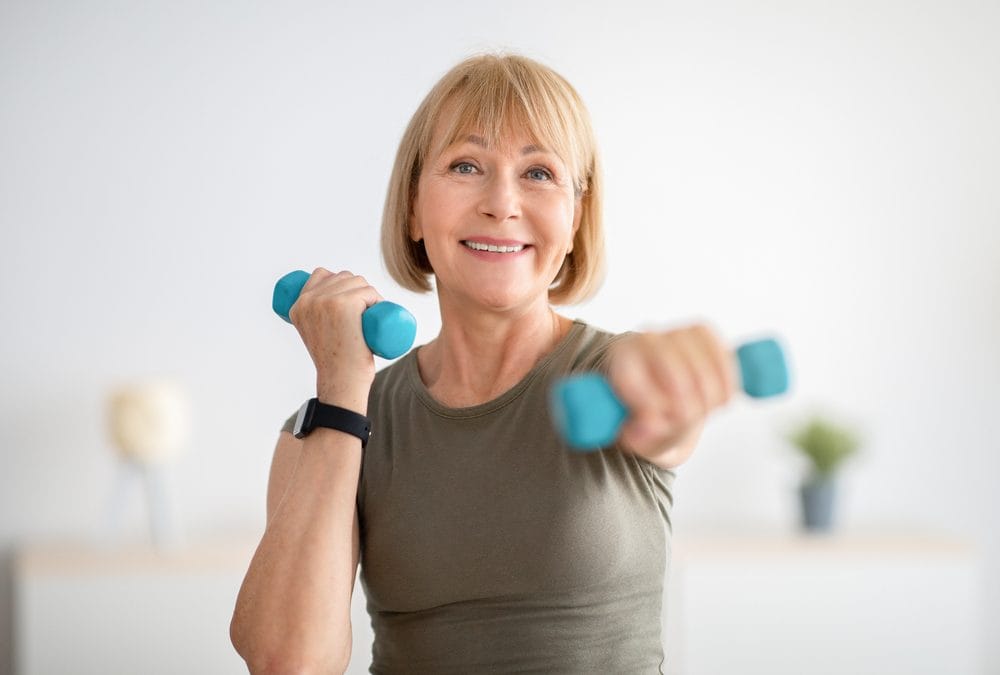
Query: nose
{"points": [[500, 198]]}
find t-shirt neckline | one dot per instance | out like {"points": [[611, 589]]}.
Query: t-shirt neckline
{"points": [[412, 375]]}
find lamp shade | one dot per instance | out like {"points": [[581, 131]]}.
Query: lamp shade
{"points": [[150, 421]]}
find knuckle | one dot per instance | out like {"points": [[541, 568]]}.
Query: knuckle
{"points": [[644, 342], [702, 331]]}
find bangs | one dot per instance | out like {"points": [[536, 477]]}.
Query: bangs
{"points": [[501, 99]]}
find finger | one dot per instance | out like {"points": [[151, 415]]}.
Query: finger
{"points": [[644, 399], [340, 282], [318, 276], [710, 365], [673, 373], [707, 384], [333, 290], [324, 278], [721, 361], [329, 284], [631, 380], [365, 291]]}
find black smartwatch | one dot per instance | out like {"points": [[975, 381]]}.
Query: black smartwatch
{"points": [[314, 414]]}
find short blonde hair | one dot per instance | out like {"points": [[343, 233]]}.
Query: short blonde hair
{"points": [[492, 93]]}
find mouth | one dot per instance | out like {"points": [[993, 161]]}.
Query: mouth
{"points": [[491, 247]]}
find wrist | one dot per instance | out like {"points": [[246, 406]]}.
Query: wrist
{"points": [[674, 450], [315, 414], [344, 395]]}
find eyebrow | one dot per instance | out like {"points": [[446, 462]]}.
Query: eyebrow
{"points": [[526, 150]]}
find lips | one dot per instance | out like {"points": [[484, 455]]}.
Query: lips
{"points": [[490, 245], [493, 248]]}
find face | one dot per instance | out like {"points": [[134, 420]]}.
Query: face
{"points": [[497, 222]]}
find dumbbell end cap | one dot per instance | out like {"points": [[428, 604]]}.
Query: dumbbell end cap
{"points": [[586, 411], [763, 368], [389, 329], [286, 292]]}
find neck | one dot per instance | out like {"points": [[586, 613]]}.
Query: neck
{"points": [[478, 356]]}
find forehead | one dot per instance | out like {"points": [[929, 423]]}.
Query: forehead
{"points": [[505, 127]]}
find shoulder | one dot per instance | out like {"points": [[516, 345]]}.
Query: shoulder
{"points": [[393, 381], [396, 373], [590, 347]]}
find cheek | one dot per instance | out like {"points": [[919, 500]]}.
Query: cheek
{"points": [[561, 229], [436, 208]]}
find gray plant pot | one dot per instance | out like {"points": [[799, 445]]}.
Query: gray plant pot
{"points": [[819, 497]]}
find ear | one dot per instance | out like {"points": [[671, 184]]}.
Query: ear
{"points": [[413, 226], [577, 216]]}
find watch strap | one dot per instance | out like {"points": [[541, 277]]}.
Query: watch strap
{"points": [[315, 413]]}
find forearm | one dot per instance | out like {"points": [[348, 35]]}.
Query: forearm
{"points": [[293, 610]]}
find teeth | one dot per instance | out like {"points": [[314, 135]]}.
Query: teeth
{"points": [[492, 248]]}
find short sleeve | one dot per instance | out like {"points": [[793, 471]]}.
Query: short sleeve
{"points": [[661, 483], [289, 424], [597, 360]]}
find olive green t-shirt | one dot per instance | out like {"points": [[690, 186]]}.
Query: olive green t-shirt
{"points": [[488, 546]]}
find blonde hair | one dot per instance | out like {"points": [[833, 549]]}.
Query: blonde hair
{"points": [[492, 93]]}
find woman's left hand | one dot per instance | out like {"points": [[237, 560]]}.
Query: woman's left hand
{"points": [[670, 381]]}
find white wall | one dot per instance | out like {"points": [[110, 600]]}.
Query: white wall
{"points": [[826, 170]]}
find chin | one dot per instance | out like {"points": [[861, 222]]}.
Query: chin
{"points": [[496, 294], [502, 300], [499, 304]]}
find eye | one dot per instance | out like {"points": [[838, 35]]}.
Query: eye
{"points": [[538, 173], [464, 168]]}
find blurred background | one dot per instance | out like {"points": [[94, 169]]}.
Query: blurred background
{"points": [[829, 172]]}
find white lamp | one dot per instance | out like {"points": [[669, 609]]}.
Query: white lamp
{"points": [[150, 425]]}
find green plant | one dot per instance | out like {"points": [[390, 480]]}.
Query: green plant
{"points": [[825, 443]]}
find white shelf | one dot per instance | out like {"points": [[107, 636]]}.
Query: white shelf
{"points": [[85, 608], [82, 558], [854, 603]]}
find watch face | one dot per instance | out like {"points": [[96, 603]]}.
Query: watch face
{"points": [[303, 421]]}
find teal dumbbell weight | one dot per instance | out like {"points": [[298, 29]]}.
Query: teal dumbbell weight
{"points": [[588, 414], [389, 329]]}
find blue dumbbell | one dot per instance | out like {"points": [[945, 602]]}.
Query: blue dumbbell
{"points": [[388, 328], [588, 415]]}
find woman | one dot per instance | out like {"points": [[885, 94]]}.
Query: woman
{"points": [[485, 544]]}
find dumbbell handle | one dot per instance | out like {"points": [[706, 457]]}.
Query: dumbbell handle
{"points": [[588, 414], [389, 329]]}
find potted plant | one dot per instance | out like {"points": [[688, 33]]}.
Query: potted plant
{"points": [[826, 444]]}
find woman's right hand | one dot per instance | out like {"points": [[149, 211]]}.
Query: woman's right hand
{"points": [[327, 316]]}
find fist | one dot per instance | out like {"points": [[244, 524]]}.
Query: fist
{"points": [[327, 315], [670, 381]]}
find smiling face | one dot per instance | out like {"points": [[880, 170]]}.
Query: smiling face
{"points": [[512, 103], [497, 220]]}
